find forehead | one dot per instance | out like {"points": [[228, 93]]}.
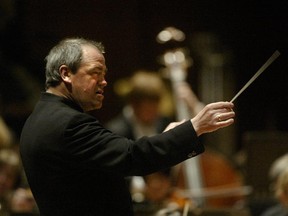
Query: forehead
{"points": [[92, 55]]}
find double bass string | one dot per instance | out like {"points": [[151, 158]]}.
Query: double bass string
{"points": [[274, 56]]}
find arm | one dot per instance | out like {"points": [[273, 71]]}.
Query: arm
{"points": [[211, 118]]}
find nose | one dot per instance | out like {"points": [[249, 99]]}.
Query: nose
{"points": [[103, 83]]}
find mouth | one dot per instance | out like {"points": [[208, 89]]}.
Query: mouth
{"points": [[100, 92]]}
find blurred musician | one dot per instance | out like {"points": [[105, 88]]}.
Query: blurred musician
{"points": [[144, 94]]}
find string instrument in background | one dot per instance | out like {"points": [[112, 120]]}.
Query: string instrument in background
{"points": [[176, 64], [209, 179]]}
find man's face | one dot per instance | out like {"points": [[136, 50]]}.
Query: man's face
{"points": [[146, 111], [89, 81]]}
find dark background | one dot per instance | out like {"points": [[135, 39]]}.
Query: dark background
{"points": [[253, 30]]}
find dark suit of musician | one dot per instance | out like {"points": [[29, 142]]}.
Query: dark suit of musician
{"points": [[76, 167]]}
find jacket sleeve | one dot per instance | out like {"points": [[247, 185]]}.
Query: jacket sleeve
{"points": [[91, 146]]}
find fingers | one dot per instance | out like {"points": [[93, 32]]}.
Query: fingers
{"points": [[221, 105], [214, 116], [225, 123], [222, 116], [221, 111]]}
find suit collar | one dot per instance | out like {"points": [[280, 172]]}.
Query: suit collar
{"points": [[52, 97]]}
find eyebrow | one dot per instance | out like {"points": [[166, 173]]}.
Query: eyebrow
{"points": [[101, 68]]}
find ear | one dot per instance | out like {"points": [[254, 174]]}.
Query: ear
{"points": [[65, 73]]}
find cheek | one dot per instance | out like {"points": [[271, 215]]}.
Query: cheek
{"points": [[91, 86]]}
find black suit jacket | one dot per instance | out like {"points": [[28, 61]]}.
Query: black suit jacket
{"points": [[75, 166]]}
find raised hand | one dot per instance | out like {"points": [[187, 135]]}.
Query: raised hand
{"points": [[213, 116]]}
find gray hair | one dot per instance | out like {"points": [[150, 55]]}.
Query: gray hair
{"points": [[67, 52]]}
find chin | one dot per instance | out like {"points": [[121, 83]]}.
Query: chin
{"points": [[98, 106], [93, 108]]}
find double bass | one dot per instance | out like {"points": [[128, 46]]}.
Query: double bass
{"points": [[207, 180]]}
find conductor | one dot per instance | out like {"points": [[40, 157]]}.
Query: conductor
{"points": [[74, 165]]}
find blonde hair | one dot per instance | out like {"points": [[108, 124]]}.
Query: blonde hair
{"points": [[142, 84], [282, 184], [5, 135], [146, 84]]}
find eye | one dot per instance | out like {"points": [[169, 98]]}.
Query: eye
{"points": [[100, 74], [98, 71]]}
